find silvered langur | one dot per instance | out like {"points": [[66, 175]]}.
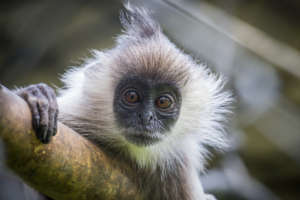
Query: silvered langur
{"points": [[144, 102]]}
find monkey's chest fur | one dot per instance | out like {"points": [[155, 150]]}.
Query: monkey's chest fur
{"points": [[155, 184], [172, 185]]}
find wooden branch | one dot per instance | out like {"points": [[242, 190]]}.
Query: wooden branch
{"points": [[70, 167]]}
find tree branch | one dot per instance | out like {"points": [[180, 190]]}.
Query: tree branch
{"points": [[70, 167]]}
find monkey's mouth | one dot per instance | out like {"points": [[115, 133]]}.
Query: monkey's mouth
{"points": [[143, 139]]}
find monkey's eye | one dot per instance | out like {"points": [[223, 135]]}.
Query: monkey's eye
{"points": [[131, 97], [164, 102]]}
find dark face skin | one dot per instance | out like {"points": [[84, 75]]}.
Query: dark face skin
{"points": [[145, 110]]}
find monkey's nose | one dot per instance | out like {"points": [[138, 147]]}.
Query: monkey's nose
{"points": [[146, 117]]}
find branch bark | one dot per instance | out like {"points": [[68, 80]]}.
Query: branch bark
{"points": [[70, 167]]}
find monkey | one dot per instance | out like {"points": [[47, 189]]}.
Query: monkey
{"points": [[146, 104]]}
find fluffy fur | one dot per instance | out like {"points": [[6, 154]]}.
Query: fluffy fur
{"points": [[86, 104]]}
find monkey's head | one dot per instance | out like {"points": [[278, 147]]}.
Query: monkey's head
{"points": [[147, 96], [146, 107]]}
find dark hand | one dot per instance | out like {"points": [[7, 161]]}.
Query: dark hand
{"points": [[43, 105]]}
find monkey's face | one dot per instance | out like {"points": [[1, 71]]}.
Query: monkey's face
{"points": [[145, 110]]}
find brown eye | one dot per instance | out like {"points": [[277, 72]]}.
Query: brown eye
{"points": [[131, 97], [163, 102]]}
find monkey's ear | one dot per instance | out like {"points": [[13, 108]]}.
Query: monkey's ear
{"points": [[138, 22]]}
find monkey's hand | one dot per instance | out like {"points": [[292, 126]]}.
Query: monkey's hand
{"points": [[43, 105]]}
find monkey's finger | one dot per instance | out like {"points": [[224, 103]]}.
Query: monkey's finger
{"points": [[55, 123], [51, 125], [49, 93], [32, 103], [43, 108], [45, 90], [53, 112], [35, 113]]}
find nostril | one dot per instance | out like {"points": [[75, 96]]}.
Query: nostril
{"points": [[150, 118], [146, 117]]}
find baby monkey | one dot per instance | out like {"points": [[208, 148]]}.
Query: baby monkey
{"points": [[145, 103]]}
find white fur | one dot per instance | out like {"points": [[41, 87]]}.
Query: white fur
{"points": [[89, 91], [204, 108]]}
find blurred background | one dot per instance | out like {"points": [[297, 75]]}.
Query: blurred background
{"points": [[254, 43]]}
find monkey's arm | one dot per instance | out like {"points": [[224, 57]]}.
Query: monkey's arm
{"points": [[70, 167]]}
